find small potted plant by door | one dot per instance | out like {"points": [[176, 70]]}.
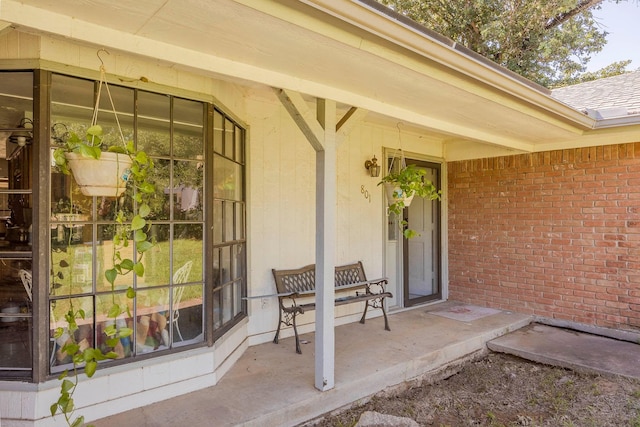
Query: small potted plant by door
{"points": [[402, 186]]}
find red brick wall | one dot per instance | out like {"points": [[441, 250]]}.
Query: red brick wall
{"points": [[555, 234]]}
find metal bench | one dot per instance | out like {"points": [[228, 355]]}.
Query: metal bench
{"points": [[300, 283]]}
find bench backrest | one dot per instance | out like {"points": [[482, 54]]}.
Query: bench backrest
{"points": [[303, 280]]}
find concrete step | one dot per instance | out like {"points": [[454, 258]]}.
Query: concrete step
{"points": [[570, 349]]}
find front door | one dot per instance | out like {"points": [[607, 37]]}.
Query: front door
{"points": [[421, 254]]}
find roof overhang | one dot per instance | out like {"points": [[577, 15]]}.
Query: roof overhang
{"points": [[354, 52]]}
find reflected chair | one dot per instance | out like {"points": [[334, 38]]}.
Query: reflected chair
{"points": [[180, 276], [27, 282], [25, 277]]}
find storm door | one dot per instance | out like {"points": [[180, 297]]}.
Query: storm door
{"points": [[421, 254]]}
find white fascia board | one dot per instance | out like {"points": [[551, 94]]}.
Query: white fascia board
{"points": [[633, 119], [619, 134], [460, 59]]}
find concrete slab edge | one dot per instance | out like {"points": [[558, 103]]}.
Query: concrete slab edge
{"points": [[622, 335]]}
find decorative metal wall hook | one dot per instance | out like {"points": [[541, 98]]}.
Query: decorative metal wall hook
{"points": [[99, 57]]}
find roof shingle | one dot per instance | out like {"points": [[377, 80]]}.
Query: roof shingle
{"points": [[615, 96]]}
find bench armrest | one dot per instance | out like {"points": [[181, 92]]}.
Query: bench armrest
{"points": [[381, 283]]}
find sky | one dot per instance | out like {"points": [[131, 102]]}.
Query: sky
{"points": [[622, 22]]}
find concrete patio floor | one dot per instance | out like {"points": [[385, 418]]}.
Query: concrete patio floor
{"points": [[271, 385]]}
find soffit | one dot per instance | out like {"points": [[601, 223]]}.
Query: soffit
{"points": [[295, 46]]}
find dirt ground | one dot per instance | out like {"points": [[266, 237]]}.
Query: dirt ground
{"points": [[501, 390]]}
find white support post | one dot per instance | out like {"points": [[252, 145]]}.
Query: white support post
{"points": [[326, 212], [323, 132]]}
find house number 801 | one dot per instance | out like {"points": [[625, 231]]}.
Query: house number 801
{"points": [[365, 192]]}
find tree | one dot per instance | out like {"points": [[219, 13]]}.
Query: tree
{"points": [[547, 41]]}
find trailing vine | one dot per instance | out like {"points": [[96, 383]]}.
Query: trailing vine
{"points": [[128, 230]]}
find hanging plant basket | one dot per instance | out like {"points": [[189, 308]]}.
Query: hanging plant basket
{"points": [[395, 194], [105, 176]]}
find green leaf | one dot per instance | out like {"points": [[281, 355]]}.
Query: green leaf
{"points": [[111, 275], [140, 236], [66, 386], [54, 409], [87, 151], [147, 187], [78, 422], [144, 210], [127, 264], [144, 246], [114, 311], [125, 332], [70, 348], [110, 330], [90, 368], [95, 130], [138, 269], [137, 223], [131, 293]]}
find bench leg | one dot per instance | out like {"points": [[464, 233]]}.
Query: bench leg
{"points": [[384, 313], [295, 330], [366, 306], [275, 339]]}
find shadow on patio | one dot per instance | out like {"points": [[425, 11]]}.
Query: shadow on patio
{"points": [[271, 385]]}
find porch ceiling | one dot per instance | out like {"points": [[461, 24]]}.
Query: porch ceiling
{"points": [[337, 49]]}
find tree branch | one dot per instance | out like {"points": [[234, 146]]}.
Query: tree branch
{"points": [[565, 16]]}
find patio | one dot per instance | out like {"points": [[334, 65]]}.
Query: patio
{"points": [[271, 385]]}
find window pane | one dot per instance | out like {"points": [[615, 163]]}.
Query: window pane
{"points": [[188, 129], [151, 329], [187, 247], [84, 336], [156, 260], [124, 101], [187, 314], [217, 309], [227, 179], [218, 132], [239, 223], [188, 185], [106, 252], [237, 297], [239, 145], [153, 123], [238, 261], [71, 258], [227, 303], [225, 264], [161, 204], [217, 277], [104, 302], [229, 139], [217, 221], [229, 217]]}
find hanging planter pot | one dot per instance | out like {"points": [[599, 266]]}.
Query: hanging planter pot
{"points": [[395, 194], [105, 176]]}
